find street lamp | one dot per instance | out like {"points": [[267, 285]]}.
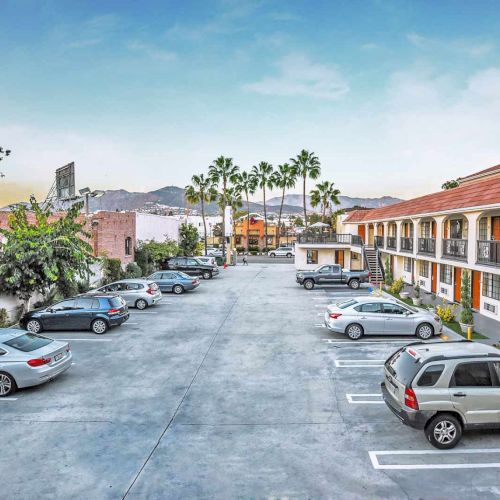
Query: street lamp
{"points": [[86, 193]]}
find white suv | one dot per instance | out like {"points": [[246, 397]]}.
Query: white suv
{"points": [[282, 252]]}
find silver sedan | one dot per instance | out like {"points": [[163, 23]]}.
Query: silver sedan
{"points": [[139, 293], [370, 315], [27, 359]]}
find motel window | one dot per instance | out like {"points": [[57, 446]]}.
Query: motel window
{"points": [[312, 256], [426, 229], [408, 265], [483, 228], [446, 274], [423, 268], [458, 229], [491, 286], [128, 246]]}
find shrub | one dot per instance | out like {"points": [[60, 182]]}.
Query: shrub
{"points": [[397, 286], [133, 270], [389, 278], [4, 318], [253, 249], [447, 312], [240, 249], [416, 290], [466, 302], [111, 269], [254, 252]]}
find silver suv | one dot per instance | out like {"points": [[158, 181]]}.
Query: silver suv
{"points": [[444, 388]]}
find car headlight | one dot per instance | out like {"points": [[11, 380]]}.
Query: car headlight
{"points": [[300, 275]]}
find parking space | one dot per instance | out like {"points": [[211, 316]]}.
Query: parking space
{"points": [[234, 390]]}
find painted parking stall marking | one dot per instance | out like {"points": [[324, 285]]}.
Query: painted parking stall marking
{"points": [[481, 458], [373, 342], [359, 363], [7, 400], [364, 399]]}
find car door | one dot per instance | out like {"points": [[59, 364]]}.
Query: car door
{"points": [[168, 281], [398, 320], [58, 317], [336, 275], [324, 276], [194, 267], [370, 317], [474, 393], [82, 314]]}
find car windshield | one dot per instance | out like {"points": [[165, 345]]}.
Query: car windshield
{"points": [[28, 342], [403, 366], [346, 303], [406, 306]]}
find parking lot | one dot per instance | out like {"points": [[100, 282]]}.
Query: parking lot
{"points": [[235, 390]]}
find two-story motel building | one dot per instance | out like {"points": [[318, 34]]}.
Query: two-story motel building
{"points": [[428, 240]]}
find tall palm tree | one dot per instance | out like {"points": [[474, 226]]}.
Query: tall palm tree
{"points": [[232, 199], [201, 190], [284, 177], [246, 183], [222, 172], [305, 165], [326, 195], [263, 173]]}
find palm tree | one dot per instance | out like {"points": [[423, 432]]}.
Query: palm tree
{"points": [[306, 165], [263, 173], [246, 183], [201, 191], [325, 195], [222, 172], [232, 199], [284, 177]]}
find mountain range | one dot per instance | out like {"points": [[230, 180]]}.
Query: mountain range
{"points": [[173, 196]]}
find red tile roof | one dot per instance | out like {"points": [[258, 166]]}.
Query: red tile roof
{"points": [[481, 173], [471, 194]]}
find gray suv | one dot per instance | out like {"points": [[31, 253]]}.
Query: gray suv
{"points": [[444, 388]]}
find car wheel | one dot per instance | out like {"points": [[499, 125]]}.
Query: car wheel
{"points": [[178, 289], [34, 326], [141, 304], [424, 331], [99, 326], [272, 255], [289, 255], [354, 331], [444, 431], [308, 284], [7, 385], [207, 275], [354, 284]]}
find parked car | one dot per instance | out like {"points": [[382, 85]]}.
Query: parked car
{"points": [[174, 281], [370, 315], [139, 293], [215, 252], [96, 312], [332, 274], [444, 388], [207, 260], [191, 266], [27, 359], [282, 252]]}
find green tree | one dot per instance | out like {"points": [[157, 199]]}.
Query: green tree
{"points": [[313, 218], [222, 172], [306, 165], [450, 184], [283, 177], [201, 191], [47, 252], [150, 254], [111, 270], [326, 195], [334, 217], [246, 183], [233, 199], [189, 238], [298, 222], [263, 173], [466, 315]]}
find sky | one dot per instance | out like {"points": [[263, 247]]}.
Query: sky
{"points": [[394, 97]]}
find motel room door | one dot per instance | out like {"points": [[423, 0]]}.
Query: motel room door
{"points": [[339, 258], [495, 228], [361, 232], [458, 283], [434, 275], [476, 290]]}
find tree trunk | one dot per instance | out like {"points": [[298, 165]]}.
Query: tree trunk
{"points": [[323, 214], [248, 223], [279, 219], [224, 219], [265, 216], [204, 221], [304, 199]]}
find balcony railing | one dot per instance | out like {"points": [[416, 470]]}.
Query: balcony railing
{"points": [[406, 244], [488, 252], [325, 238], [391, 242], [427, 246], [455, 249], [379, 241]]}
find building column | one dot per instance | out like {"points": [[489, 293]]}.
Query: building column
{"points": [[472, 237], [398, 235], [416, 232], [439, 236]]}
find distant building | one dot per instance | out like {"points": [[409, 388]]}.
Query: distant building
{"points": [[151, 227]]}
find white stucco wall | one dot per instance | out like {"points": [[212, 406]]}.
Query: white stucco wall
{"points": [[156, 227], [325, 256]]}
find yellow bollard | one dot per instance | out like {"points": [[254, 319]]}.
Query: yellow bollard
{"points": [[469, 333]]}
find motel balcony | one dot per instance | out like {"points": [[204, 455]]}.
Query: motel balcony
{"points": [[427, 246], [488, 252], [379, 241], [391, 242], [406, 244], [455, 249], [329, 238]]}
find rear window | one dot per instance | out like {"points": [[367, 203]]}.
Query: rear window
{"points": [[116, 301], [430, 376], [346, 304], [28, 342], [403, 366]]}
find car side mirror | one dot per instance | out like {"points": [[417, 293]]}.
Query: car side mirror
{"points": [[407, 313], [50, 310]]}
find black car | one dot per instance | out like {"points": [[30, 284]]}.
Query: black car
{"points": [[95, 312], [191, 266]]}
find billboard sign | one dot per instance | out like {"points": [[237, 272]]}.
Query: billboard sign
{"points": [[228, 215], [65, 182]]}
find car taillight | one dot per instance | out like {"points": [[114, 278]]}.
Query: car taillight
{"points": [[113, 311], [194, 282], [411, 399], [369, 274], [150, 291], [335, 315], [39, 362]]}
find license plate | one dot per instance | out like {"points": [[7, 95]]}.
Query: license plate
{"points": [[57, 357]]}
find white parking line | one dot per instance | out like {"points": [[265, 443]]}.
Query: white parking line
{"points": [[7, 399], [145, 312], [484, 465], [334, 341], [359, 363], [320, 325], [376, 399], [85, 340]]}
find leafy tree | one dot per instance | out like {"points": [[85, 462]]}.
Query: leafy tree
{"points": [[189, 238], [334, 217], [313, 218], [233, 200], [133, 270], [298, 222], [466, 299], [49, 251], [326, 195], [111, 270], [306, 165], [450, 184], [246, 183], [222, 172], [389, 279], [201, 191], [263, 173], [283, 177], [150, 254]]}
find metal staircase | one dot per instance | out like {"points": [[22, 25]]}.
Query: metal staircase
{"points": [[374, 264]]}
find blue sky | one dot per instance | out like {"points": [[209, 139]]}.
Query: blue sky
{"points": [[393, 96]]}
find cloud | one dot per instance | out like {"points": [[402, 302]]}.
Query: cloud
{"points": [[369, 46], [470, 47], [151, 51], [93, 31], [298, 76]]}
